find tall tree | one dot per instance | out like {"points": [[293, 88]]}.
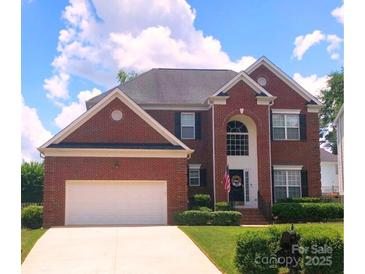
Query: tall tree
{"points": [[32, 176], [332, 99], [123, 76]]}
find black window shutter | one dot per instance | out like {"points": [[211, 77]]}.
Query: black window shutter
{"points": [[304, 178], [303, 127], [271, 129], [203, 177], [272, 185], [198, 126], [178, 124]]}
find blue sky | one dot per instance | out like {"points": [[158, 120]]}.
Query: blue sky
{"points": [[71, 50]]}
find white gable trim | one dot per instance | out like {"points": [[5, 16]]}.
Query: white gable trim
{"points": [[283, 76], [242, 76], [116, 93]]}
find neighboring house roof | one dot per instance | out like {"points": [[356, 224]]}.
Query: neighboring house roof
{"points": [[116, 93], [172, 86], [327, 156]]}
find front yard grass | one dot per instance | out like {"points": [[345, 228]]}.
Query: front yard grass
{"points": [[29, 238], [219, 242]]}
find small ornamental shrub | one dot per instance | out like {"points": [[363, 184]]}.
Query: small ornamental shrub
{"points": [[223, 206], [255, 252], [193, 217], [305, 212], [226, 218], [203, 208], [301, 200], [201, 200], [32, 217]]}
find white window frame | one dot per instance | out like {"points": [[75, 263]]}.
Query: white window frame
{"points": [[285, 114], [286, 169], [239, 134], [181, 125], [195, 167]]}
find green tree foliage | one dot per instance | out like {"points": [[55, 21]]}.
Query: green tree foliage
{"points": [[32, 176], [332, 99], [123, 76]]}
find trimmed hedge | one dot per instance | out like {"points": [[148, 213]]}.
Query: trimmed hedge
{"points": [[201, 200], [226, 218], [223, 206], [253, 248], [32, 217], [198, 217], [301, 200], [322, 250], [305, 212]]}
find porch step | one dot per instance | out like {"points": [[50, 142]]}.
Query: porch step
{"points": [[252, 216]]}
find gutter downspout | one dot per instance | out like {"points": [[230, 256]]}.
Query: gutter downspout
{"points": [[269, 116], [213, 151]]}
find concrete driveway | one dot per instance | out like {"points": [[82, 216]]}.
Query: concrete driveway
{"points": [[96, 250]]}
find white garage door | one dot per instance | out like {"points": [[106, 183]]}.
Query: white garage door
{"points": [[115, 202]]}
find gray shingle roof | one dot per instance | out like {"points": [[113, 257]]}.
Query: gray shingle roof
{"points": [[172, 86], [327, 156]]}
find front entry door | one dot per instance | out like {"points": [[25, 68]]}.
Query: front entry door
{"points": [[237, 185]]}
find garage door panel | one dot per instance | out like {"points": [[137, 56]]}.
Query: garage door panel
{"points": [[116, 202]]}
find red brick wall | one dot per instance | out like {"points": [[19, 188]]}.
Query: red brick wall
{"points": [[103, 129], [242, 96], [304, 153], [202, 147], [59, 169]]}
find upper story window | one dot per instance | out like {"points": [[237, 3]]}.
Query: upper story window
{"points": [[285, 126], [187, 125], [237, 138]]}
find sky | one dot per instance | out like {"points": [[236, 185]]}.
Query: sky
{"points": [[72, 50]]}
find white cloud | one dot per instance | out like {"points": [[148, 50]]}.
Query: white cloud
{"points": [[101, 37], [334, 45], [56, 86], [338, 13], [303, 43], [74, 109], [313, 83], [33, 133]]}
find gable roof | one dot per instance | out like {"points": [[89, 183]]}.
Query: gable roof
{"points": [[242, 76], [285, 78], [116, 93], [172, 86], [327, 156]]}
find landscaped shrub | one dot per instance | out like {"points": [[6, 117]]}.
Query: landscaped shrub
{"points": [[226, 218], [201, 200], [223, 206], [305, 212], [193, 217], [301, 200], [324, 251], [204, 208], [253, 252], [32, 217]]}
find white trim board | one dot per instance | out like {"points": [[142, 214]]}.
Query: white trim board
{"points": [[285, 111], [116, 93], [287, 167], [283, 76]]}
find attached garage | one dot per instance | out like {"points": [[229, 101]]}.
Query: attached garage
{"points": [[114, 202]]}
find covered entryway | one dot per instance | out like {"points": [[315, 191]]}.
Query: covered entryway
{"points": [[115, 202]]}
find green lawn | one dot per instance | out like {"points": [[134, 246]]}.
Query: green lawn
{"points": [[219, 242], [29, 238]]}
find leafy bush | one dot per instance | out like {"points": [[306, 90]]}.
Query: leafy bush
{"points": [[32, 217], [201, 200], [193, 217], [253, 247], [304, 212], [301, 200], [203, 208], [226, 218], [32, 176], [223, 206]]}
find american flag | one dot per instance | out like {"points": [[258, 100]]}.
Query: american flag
{"points": [[227, 180]]}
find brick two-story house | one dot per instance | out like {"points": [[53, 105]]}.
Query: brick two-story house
{"points": [[143, 148]]}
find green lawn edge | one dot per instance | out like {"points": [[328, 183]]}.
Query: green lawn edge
{"points": [[28, 239]]}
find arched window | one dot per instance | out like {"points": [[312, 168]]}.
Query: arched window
{"points": [[237, 138]]}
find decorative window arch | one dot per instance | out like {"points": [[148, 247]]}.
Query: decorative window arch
{"points": [[237, 139]]}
